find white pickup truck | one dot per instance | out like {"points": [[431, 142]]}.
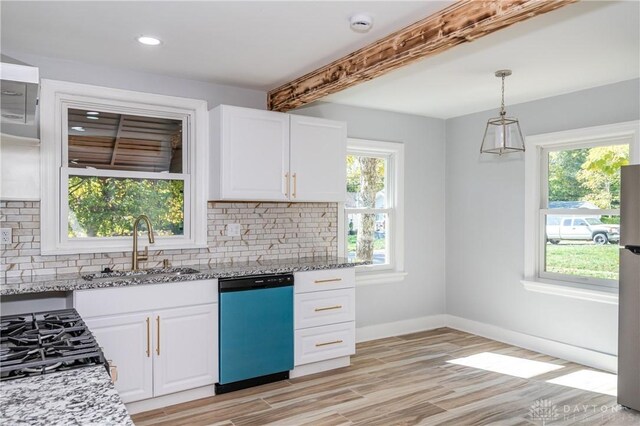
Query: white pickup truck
{"points": [[581, 228]]}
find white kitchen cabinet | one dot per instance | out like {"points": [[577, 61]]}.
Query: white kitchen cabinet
{"points": [[260, 155], [183, 357], [249, 156], [324, 319], [318, 159], [324, 307], [326, 342], [156, 348], [123, 339]]}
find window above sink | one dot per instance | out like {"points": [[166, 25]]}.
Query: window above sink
{"points": [[111, 155]]}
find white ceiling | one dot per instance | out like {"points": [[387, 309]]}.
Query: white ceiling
{"points": [[258, 45], [583, 45], [264, 44]]}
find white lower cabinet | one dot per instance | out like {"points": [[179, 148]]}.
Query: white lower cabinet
{"points": [[324, 316], [123, 340], [325, 342], [159, 349], [184, 359]]}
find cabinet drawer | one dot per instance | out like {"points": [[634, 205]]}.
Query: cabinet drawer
{"points": [[328, 279], [325, 342], [144, 297], [324, 307]]}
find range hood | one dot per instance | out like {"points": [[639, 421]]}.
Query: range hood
{"points": [[18, 99]]}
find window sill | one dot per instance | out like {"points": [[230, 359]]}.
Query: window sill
{"points": [[102, 248], [374, 278], [557, 288]]}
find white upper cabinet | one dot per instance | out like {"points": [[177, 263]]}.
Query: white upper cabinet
{"points": [[261, 155], [318, 154], [250, 154]]}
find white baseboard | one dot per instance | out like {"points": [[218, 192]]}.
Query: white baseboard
{"points": [[564, 351], [398, 328]]}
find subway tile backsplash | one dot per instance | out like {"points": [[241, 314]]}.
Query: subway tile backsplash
{"points": [[269, 231]]}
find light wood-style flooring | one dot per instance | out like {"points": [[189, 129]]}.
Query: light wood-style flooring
{"points": [[409, 380]]}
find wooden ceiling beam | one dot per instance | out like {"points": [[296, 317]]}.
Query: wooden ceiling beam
{"points": [[462, 22]]}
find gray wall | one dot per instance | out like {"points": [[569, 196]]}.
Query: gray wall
{"points": [[77, 72], [422, 293], [485, 216]]}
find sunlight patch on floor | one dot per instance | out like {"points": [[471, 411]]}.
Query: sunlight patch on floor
{"points": [[505, 364], [594, 381]]}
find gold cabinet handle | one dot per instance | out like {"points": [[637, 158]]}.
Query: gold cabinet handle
{"points": [[295, 185], [158, 335], [113, 371], [328, 308], [286, 190], [331, 280], [335, 342], [148, 337]]}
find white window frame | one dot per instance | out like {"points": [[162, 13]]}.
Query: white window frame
{"points": [[535, 278], [56, 98], [393, 271]]}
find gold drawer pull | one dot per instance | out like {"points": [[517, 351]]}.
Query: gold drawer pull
{"points": [[335, 342], [328, 308], [330, 280]]}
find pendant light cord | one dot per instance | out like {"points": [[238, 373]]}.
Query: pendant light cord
{"points": [[502, 111]]}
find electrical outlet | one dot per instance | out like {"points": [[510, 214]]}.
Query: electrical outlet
{"points": [[233, 230], [5, 236]]}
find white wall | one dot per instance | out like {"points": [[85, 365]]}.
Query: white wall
{"points": [[77, 72], [485, 216], [423, 291]]}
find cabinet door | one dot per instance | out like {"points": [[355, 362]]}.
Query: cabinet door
{"points": [[318, 159], [185, 348], [126, 343], [254, 153]]}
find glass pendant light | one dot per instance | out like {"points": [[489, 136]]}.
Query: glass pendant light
{"points": [[502, 134]]}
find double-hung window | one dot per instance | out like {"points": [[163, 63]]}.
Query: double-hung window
{"points": [[573, 205], [373, 218], [116, 157]]}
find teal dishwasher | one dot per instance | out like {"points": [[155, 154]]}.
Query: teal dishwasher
{"points": [[255, 331]]}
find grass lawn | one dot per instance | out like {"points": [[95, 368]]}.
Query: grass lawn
{"points": [[588, 260], [378, 244]]}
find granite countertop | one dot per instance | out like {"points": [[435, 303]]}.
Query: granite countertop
{"points": [[80, 396], [71, 282]]}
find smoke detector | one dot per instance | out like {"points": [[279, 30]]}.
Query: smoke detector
{"points": [[361, 22]]}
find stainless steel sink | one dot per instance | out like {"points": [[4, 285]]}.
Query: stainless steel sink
{"points": [[140, 275]]}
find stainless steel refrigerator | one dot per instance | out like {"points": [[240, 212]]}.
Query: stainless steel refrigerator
{"points": [[629, 305]]}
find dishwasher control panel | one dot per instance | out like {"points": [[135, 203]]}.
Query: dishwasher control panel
{"points": [[254, 282]]}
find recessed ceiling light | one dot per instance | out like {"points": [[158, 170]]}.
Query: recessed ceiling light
{"points": [[149, 41], [92, 117], [78, 128], [93, 113]]}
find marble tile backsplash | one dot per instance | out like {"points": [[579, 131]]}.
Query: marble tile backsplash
{"points": [[269, 231]]}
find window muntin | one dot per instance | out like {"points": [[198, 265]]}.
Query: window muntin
{"points": [[581, 186]]}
